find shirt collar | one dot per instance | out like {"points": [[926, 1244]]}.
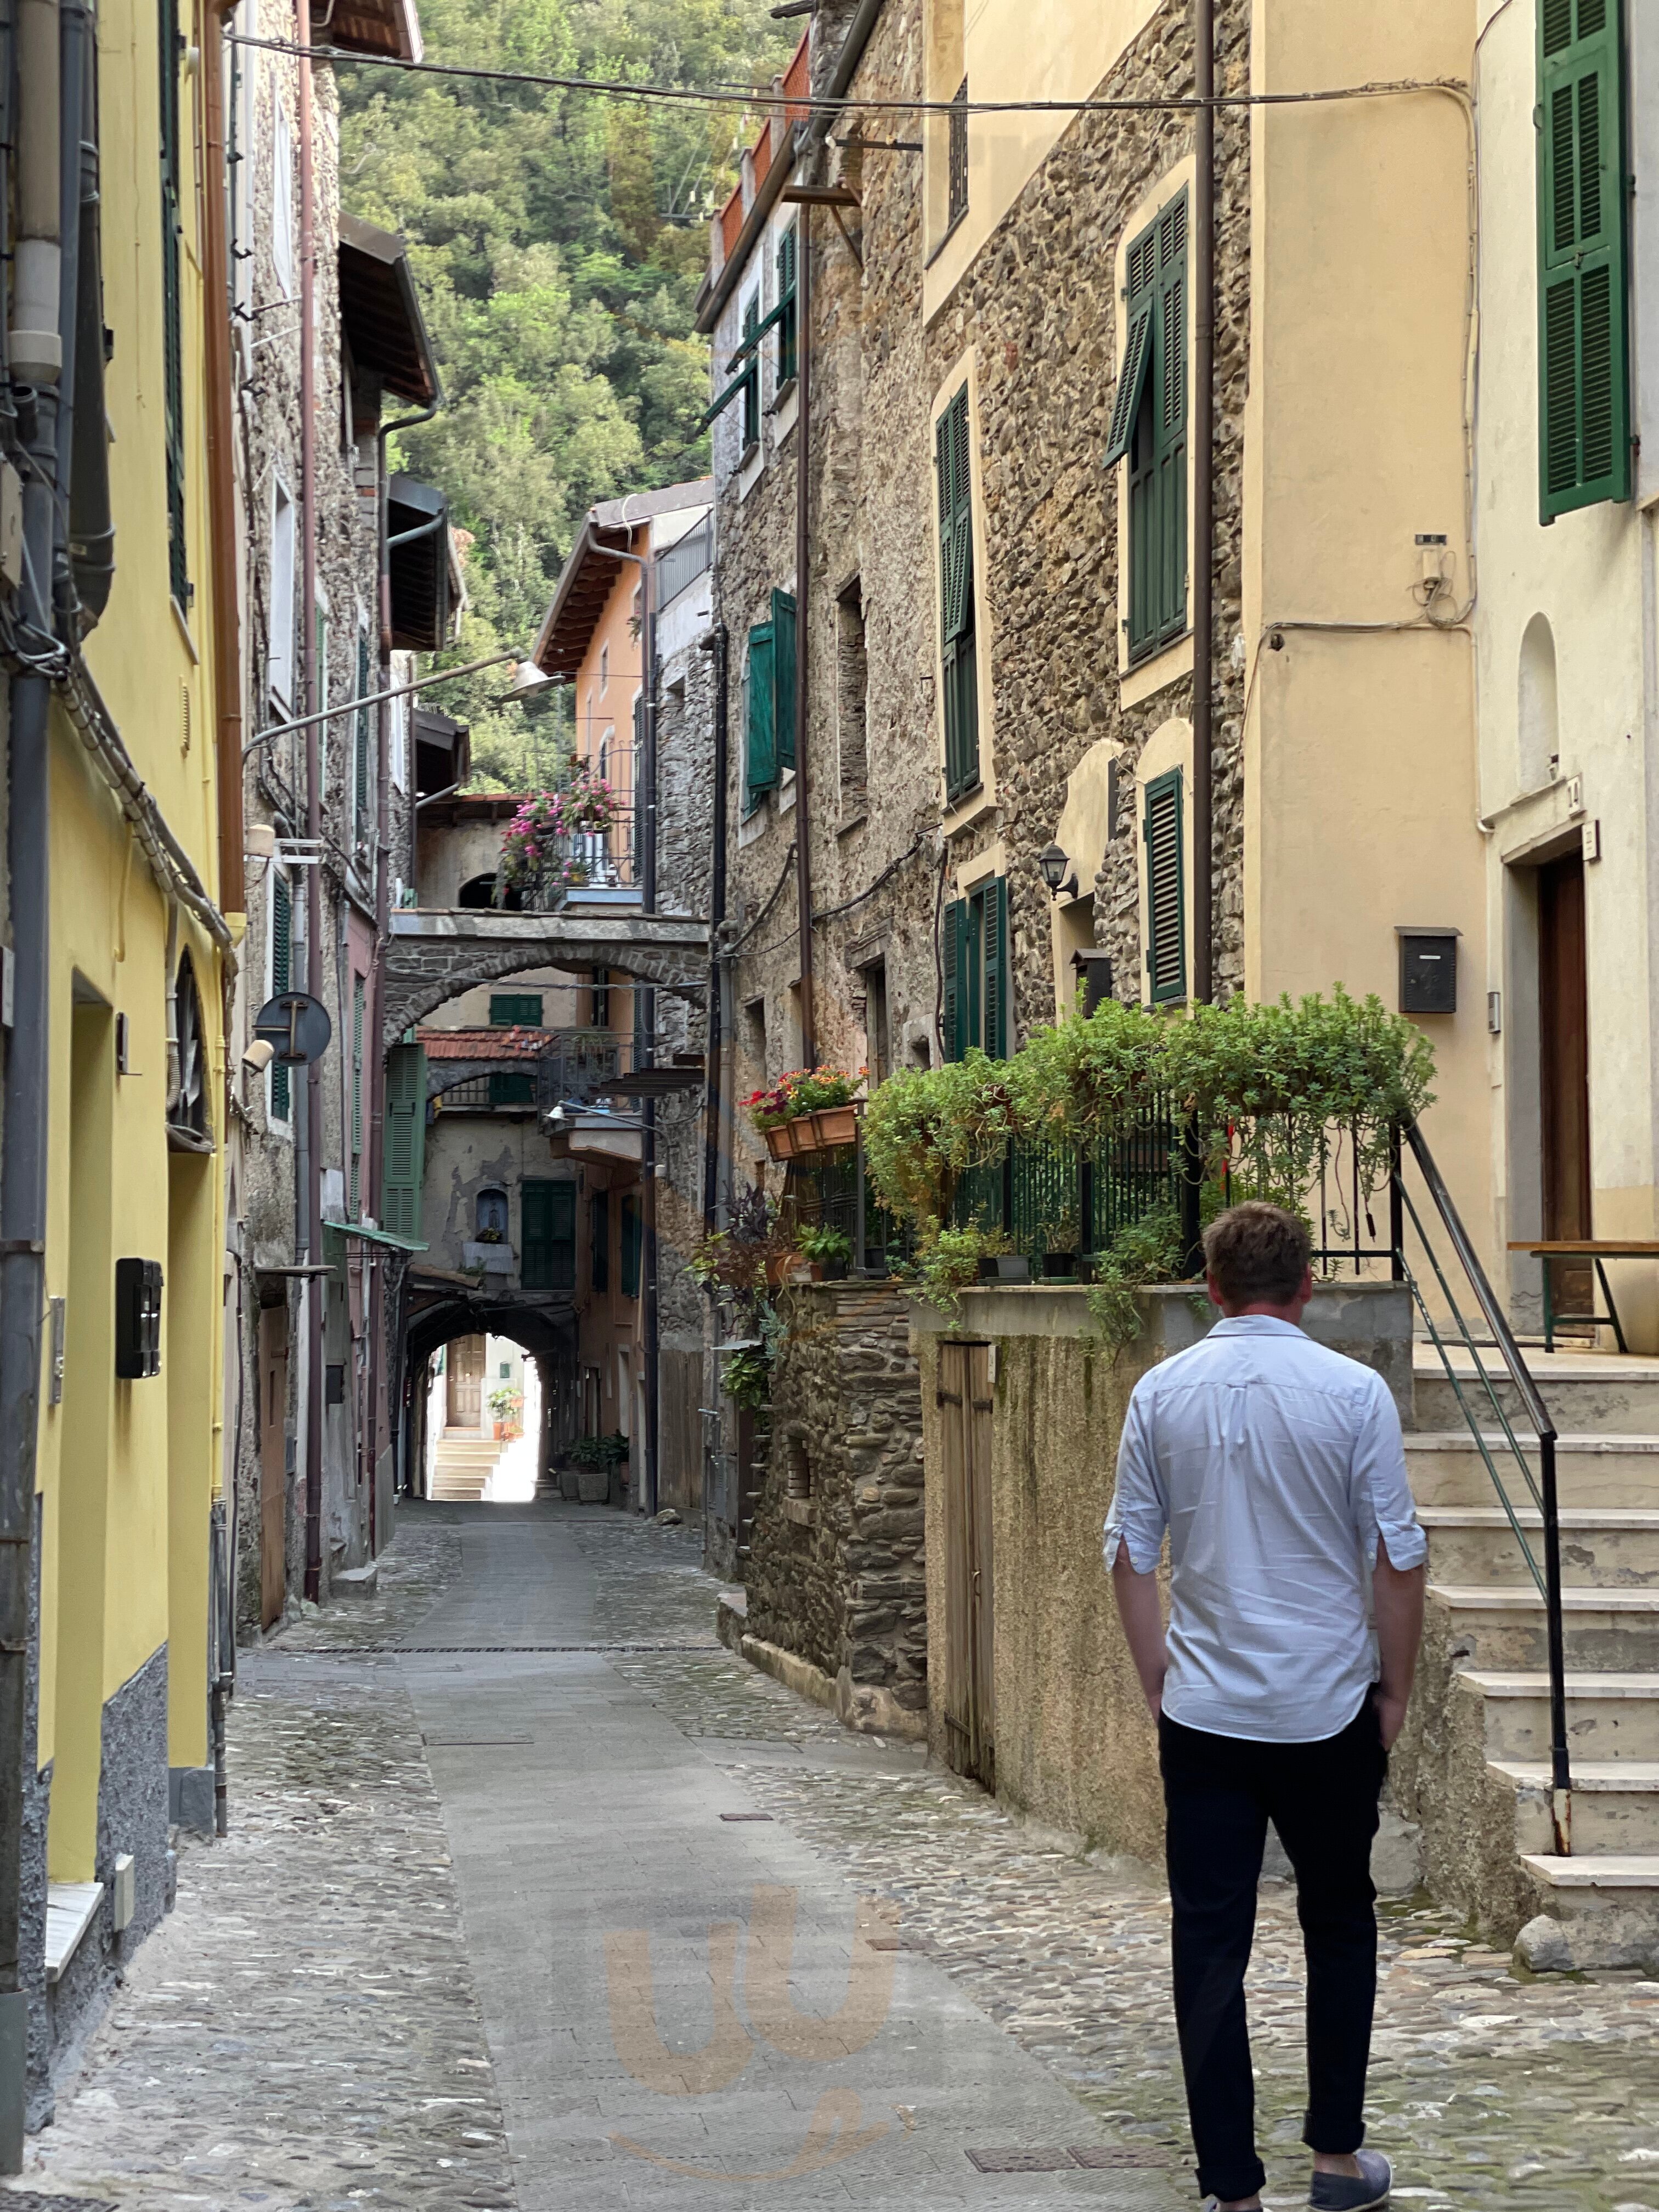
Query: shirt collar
{"points": [[1255, 1325]]}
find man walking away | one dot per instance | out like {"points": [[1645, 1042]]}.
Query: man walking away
{"points": [[1279, 1470]]}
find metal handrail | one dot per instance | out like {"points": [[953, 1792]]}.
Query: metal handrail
{"points": [[1537, 1414]]}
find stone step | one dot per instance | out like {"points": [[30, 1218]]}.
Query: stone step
{"points": [[1607, 1547], [1610, 1716], [1501, 1624], [1606, 1905], [1618, 1470], [1585, 1391], [1615, 1805]]}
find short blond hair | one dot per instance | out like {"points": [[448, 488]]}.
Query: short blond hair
{"points": [[1257, 1252]]}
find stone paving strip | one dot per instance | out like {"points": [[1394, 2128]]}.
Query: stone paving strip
{"points": [[303, 2031]]}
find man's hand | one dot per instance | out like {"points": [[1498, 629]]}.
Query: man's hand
{"points": [[1397, 1595], [1143, 1627]]}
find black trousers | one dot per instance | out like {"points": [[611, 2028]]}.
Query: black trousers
{"points": [[1219, 1793]]}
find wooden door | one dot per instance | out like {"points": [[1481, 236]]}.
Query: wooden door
{"points": [[465, 1375], [965, 1409], [1564, 1059], [273, 1463]]}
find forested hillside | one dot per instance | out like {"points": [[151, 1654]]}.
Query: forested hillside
{"points": [[559, 239]]}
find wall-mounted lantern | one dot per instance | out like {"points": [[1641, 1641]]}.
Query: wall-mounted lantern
{"points": [[1055, 862]]}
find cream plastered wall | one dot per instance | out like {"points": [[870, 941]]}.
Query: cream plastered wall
{"points": [[126, 1503], [1012, 50], [1083, 832], [1361, 786], [1586, 585]]}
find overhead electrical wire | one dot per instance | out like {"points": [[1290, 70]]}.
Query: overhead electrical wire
{"points": [[798, 105]]}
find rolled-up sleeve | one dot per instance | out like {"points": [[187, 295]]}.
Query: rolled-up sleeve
{"points": [[1383, 1507], [1139, 1511]]}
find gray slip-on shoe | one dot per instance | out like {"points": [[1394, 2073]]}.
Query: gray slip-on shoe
{"points": [[1353, 2192]]}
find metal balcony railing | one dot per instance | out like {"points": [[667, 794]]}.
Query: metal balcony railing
{"points": [[592, 863]]}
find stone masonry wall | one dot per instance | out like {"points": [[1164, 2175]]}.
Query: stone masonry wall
{"points": [[838, 1576]]}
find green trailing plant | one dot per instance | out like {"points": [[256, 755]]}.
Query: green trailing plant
{"points": [[1148, 1251], [600, 1451], [747, 1377], [823, 1244], [947, 1264], [925, 1126]]}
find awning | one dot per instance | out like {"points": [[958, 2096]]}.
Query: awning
{"points": [[368, 1235], [380, 311], [418, 513], [389, 28], [443, 752]]}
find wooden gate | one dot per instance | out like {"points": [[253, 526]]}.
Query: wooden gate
{"points": [[273, 1463], [965, 1404]]}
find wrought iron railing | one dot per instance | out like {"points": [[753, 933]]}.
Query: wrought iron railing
{"points": [[601, 860]]}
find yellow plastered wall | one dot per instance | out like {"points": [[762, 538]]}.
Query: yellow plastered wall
{"points": [[128, 1470], [1360, 783]]}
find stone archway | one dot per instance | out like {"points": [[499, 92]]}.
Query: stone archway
{"points": [[433, 957]]}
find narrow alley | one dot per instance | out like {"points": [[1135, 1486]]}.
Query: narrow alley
{"points": [[500, 1829]]}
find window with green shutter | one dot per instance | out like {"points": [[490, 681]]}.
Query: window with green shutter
{"points": [[783, 676], [958, 661], [512, 1087], [1583, 318], [360, 762], [761, 736], [751, 374], [785, 310], [403, 1162], [173, 342], [516, 1009], [599, 1243], [281, 1097], [547, 1259], [976, 963], [1166, 890], [1148, 428], [630, 1245]]}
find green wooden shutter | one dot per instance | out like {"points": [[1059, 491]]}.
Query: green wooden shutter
{"points": [[783, 676], [761, 744], [630, 1245], [994, 933], [787, 306], [954, 963], [360, 796], [282, 970], [173, 344], [598, 1241], [1157, 436], [1131, 384], [751, 377], [512, 1087], [1166, 890], [356, 1096], [954, 470], [1583, 349], [547, 1260], [516, 1009], [403, 1165]]}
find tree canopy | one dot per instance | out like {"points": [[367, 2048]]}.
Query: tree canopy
{"points": [[558, 240]]}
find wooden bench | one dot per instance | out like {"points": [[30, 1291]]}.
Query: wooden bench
{"points": [[1596, 1249]]}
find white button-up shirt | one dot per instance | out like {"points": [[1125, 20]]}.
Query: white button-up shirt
{"points": [[1275, 1465]]}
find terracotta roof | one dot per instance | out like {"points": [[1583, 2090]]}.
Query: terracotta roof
{"points": [[592, 574], [514, 1043]]}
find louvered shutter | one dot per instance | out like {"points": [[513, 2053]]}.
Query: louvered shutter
{"points": [[1583, 355], [1166, 890], [630, 1246], [403, 1165], [955, 963], [360, 767], [993, 905], [1131, 383], [356, 1094], [760, 738], [783, 676], [787, 306], [1157, 436], [282, 969], [751, 377], [547, 1260], [173, 343], [957, 656], [598, 1241]]}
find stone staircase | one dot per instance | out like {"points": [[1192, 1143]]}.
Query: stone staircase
{"points": [[1474, 1767], [465, 1462]]}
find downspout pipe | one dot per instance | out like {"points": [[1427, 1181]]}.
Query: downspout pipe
{"points": [[1204, 502], [803, 625], [220, 426], [720, 645], [310, 1196], [35, 347]]}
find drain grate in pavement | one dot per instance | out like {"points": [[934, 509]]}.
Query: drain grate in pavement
{"points": [[1094, 2156], [746, 1816]]}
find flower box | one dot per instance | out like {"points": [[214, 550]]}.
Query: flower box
{"points": [[836, 1125], [780, 1139]]}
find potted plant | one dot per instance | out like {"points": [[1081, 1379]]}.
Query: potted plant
{"points": [[830, 1251], [824, 1099], [595, 1458], [507, 1411], [771, 1111]]}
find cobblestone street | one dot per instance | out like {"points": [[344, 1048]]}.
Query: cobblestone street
{"points": [[388, 1987]]}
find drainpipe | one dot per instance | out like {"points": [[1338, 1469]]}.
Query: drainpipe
{"points": [[36, 358], [1203, 499], [720, 645], [802, 554], [310, 1201], [219, 424], [650, 1317]]}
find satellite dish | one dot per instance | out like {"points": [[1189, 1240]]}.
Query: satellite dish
{"points": [[295, 1026]]}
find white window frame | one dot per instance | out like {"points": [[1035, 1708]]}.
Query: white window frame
{"points": [[281, 656], [282, 195]]}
